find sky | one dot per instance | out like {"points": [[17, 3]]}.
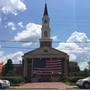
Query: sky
{"points": [[20, 28]]}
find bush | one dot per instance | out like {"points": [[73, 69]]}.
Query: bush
{"points": [[72, 80], [14, 80]]}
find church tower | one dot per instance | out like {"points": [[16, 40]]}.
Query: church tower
{"points": [[45, 40], [45, 63]]}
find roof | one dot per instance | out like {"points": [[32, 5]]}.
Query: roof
{"points": [[17, 65], [45, 10], [45, 51]]}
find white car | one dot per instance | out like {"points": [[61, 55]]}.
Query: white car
{"points": [[84, 83], [4, 83]]}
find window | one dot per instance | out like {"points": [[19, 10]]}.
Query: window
{"points": [[45, 34], [45, 21]]}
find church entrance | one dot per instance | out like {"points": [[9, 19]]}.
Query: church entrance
{"points": [[46, 70], [45, 78], [41, 78]]}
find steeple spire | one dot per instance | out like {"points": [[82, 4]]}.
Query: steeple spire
{"points": [[45, 9], [45, 40]]}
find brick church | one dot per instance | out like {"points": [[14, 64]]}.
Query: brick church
{"points": [[45, 63]]}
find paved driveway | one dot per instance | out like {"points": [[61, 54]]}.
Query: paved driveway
{"points": [[45, 85]]}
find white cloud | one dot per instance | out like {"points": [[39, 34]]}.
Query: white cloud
{"points": [[54, 37], [83, 65], [78, 51], [2, 59], [12, 6], [73, 57], [31, 33], [67, 46], [11, 25], [16, 57], [21, 24], [78, 37], [1, 53], [27, 44], [2, 56]]}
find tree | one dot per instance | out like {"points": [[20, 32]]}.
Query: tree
{"points": [[8, 68], [89, 65], [85, 72], [74, 68]]}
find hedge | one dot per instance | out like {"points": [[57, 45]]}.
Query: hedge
{"points": [[14, 80], [72, 80]]}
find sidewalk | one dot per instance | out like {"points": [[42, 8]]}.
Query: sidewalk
{"points": [[48, 85]]}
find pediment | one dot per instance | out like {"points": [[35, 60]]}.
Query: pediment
{"points": [[45, 51]]}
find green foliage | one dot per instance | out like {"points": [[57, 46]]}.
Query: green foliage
{"points": [[85, 73], [72, 80], [73, 68], [8, 68], [14, 80], [89, 65]]}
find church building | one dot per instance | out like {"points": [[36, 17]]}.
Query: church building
{"points": [[45, 63]]}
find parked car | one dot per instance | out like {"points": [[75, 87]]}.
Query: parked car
{"points": [[84, 83], [4, 83]]}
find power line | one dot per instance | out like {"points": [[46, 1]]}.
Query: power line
{"points": [[38, 41], [10, 47]]}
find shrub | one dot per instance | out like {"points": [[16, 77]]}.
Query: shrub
{"points": [[72, 80], [14, 80]]}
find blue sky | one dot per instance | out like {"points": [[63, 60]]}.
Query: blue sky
{"points": [[20, 20]]}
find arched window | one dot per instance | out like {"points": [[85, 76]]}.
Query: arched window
{"points": [[45, 34], [45, 21]]}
